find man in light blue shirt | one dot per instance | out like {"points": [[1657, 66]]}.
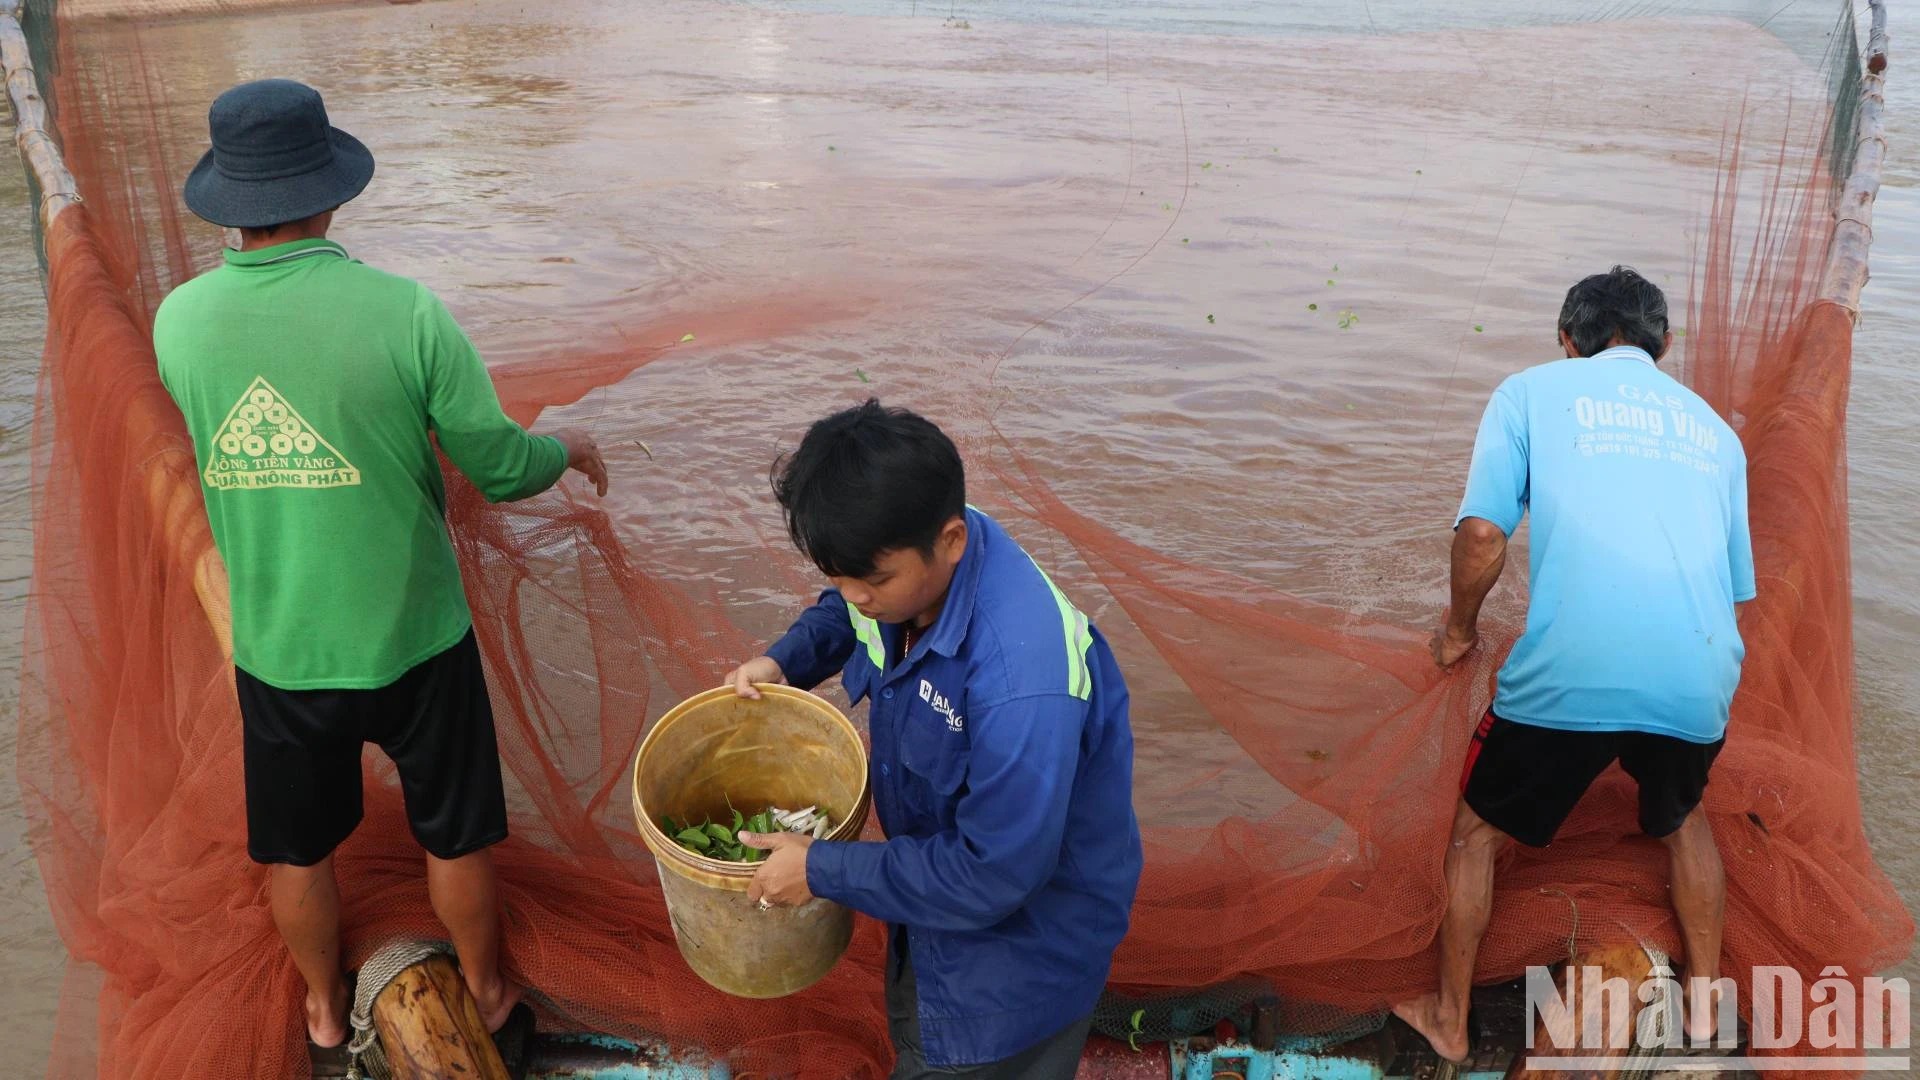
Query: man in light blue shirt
{"points": [[1639, 554]]}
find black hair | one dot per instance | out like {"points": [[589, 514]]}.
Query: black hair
{"points": [[869, 480], [1617, 304], [268, 232]]}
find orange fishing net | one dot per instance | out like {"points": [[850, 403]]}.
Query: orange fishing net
{"points": [[1299, 756]]}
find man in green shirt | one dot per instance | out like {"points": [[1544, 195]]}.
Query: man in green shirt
{"points": [[314, 387]]}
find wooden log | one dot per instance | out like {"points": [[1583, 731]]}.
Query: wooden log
{"points": [[431, 1029], [1610, 1017]]}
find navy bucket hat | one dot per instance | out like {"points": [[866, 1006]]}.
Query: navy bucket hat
{"points": [[275, 158]]}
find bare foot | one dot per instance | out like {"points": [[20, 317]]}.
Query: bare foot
{"points": [[1703, 1024], [496, 999], [327, 1019], [1446, 1034]]}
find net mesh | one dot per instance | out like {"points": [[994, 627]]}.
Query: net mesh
{"points": [[1299, 753]]}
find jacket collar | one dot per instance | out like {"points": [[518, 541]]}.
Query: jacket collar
{"points": [[950, 629]]}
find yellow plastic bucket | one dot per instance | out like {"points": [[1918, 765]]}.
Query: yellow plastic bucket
{"points": [[789, 749]]}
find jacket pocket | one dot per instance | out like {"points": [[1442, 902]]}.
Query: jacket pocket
{"points": [[934, 754]]}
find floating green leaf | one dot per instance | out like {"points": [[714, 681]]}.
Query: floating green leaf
{"points": [[1313, 307], [1478, 329], [1209, 318], [684, 338], [861, 375], [1348, 318], [1183, 239], [832, 147], [1208, 165], [1329, 281], [1416, 172]]}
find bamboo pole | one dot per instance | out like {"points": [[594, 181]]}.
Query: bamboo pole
{"points": [[173, 496], [1846, 271], [33, 132]]}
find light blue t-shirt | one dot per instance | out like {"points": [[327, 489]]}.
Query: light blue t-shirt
{"points": [[1638, 492]]}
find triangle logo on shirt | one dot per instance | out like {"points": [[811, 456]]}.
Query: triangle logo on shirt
{"points": [[265, 443]]}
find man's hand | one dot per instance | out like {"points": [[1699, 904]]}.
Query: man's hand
{"points": [[1450, 644], [760, 669], [583, 456], [781, 881]]}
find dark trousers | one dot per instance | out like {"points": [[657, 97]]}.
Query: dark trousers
{"points": [[1055, 1058]]}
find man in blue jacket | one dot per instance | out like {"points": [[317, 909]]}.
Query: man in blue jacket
{"points": [[1002, 758]]}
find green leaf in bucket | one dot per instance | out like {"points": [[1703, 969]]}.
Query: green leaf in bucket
{"points": [[737, 820], [720, 833], [695, 838]]}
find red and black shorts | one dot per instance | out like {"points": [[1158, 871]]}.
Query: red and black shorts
{"points": [[303, 759], [1525, 780]]}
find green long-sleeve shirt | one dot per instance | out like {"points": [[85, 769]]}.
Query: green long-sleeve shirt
{"points": [[310, 383]]}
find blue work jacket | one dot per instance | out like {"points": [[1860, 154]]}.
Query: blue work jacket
{"points": [[1002, 772]]}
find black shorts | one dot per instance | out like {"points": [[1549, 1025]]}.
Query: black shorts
{"points": [[303, 759], [1524, 780]]}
